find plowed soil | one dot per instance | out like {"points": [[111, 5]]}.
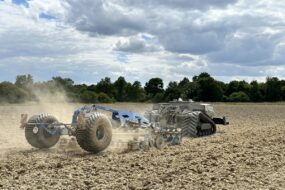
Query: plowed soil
{"points": [[247, 154]]}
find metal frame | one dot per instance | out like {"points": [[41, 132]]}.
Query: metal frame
{"points": [[121, 116]]}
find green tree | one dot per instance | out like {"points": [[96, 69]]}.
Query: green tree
{"points": [[88, 97], [24, 81], [173, 91], [283, 92], [59, 82], [188, 89], [153, 87], [209, 89], [237, 86], [92, 87], [135, 92], [273, 89], [202, 75], [10, 93], [238, 97], [120, 89], [254, 92], [202, 88], [159, 97], [104, 98], [106, 86]]}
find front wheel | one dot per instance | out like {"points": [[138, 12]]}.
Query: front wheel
{"points": [[36, 134], [96, 135]]}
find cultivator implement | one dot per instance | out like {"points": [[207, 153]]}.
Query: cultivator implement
{"points": [[93, 129], [166, 124]]}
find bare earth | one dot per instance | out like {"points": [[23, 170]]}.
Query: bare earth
{"points": [[247, 154]]}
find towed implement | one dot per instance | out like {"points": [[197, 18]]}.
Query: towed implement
{"points": [[167, 123], [93, 129]]}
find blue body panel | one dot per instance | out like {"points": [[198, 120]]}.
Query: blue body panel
{"points": [[125, 116], [121, 116]]}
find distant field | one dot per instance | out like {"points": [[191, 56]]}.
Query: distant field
{"points": [[247, 154]]}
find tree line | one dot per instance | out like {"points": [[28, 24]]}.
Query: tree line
{"points": [[202, 87]]}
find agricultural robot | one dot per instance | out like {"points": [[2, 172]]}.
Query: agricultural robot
{"points": [[192, 118], [165, 124]]}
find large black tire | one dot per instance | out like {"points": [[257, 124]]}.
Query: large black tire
{"points": [[191, 121], [96, 135], [40, 139]]}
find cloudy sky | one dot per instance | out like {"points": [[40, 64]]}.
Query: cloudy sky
{"points": [[87, 40]]}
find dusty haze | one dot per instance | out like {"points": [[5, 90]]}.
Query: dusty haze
{"points": [[247, 154], [12, 137]]}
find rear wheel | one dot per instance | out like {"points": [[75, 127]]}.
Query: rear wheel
{"points": [[96, 135], [159, 142], [176, 140], [36, 134]]}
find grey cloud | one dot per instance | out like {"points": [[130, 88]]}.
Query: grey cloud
{"points": [[279, 54], [44, 69], [217, 35], [173, 28], [222, 69], [132, 45], [135, 44], [189, 68], [31, 42], [188, 30], [101, 17], [192, 42], [181, 4], [187, 37], [251, 49], [249, 40]]}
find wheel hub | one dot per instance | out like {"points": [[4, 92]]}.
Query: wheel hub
{"points": [[100, 133], [35, 130]]}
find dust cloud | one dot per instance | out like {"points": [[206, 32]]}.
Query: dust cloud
{"points": [[247, 154], [55, 103]]}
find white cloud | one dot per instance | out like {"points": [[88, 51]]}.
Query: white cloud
{"points": [[179, 4], [91, 39], [137, 44]]}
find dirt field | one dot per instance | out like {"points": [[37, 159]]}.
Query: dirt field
{"points": [[247, 154]]}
